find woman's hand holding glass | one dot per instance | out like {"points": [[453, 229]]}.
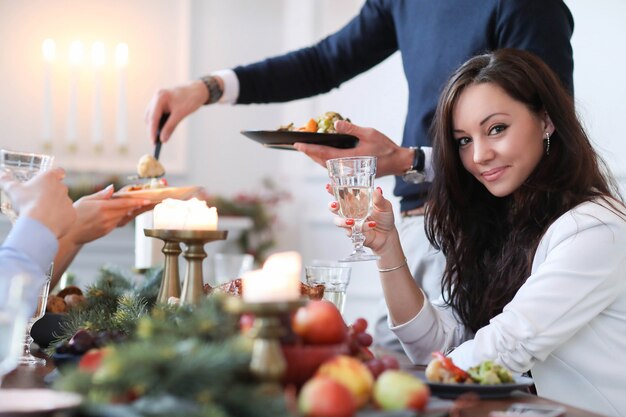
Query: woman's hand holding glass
{"points": [[379, 228]]}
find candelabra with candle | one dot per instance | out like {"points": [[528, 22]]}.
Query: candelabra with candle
{"points": [[270, 294], [192, 223], [193, 283], [267, 362]]}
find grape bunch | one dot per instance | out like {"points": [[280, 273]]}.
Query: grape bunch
{"points": [[359, 342], [84, 340]]}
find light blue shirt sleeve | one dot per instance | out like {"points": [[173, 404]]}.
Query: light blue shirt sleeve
{"points": [[29, 249]]}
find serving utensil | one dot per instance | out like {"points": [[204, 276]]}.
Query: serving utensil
{"points": [[157, 150]]}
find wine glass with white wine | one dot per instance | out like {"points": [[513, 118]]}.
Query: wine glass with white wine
{"points": [[352, 180], [23, 166]]}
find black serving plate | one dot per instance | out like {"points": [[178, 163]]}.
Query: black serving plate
{"points": [[282, 139], [46, 329], [452, 391]]}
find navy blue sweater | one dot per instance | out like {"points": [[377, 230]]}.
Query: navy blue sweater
{"points": [[434, 37]]}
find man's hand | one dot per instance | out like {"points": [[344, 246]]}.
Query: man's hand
{"points": [[43, 198], [179, 102], [391, 158]]}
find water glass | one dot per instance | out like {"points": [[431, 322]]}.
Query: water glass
{"points": [[352, 180], [228, 266], [22, 166], [12, 323], [335, 279]]}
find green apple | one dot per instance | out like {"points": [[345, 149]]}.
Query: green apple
{"points": [[399, 390]]}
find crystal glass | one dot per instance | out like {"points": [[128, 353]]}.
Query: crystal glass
{"points": [[12, 323], [23, 166], [335, 279], [228, 266], [352, 180]]}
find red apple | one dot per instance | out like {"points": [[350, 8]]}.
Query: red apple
{"points": [[352, 373], [319, 323], [324, 397], [91, 360], [399, 390]]}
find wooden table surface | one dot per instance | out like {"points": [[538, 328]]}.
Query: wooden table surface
{"points": [[33, 377]]}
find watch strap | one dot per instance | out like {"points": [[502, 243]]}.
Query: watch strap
{"points": [[215, 90]]}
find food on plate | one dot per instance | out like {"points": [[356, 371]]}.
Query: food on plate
{"points": [[69, 297], [153, 184], [442, 369], [149, 167], [489, 373], [323, 124]]}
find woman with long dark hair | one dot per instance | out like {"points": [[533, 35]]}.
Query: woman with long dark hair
{"points": [[534, 235]]}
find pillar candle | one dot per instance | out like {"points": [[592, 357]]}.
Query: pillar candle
{"points": [[121, 61], [279, 280], [192, 214], [97, 59], [76, 56], [49, 52]]}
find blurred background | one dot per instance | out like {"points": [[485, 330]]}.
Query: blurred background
{"points": [[81, 96]]}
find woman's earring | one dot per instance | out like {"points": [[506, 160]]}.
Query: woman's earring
{"points": [[546, 141]]}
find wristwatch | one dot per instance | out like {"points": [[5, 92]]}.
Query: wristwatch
{"points": [[214, 88], [415, 174]]}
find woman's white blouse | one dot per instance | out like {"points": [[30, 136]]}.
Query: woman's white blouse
{"points": [[567, 323]]}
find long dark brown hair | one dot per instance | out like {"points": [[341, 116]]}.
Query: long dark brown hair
{"points": [[489, 242]]}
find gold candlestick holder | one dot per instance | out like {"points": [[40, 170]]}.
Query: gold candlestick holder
{"points": [[267, 362], [193, 283]]}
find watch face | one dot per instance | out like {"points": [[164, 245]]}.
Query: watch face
{"points": [[414, 177]]}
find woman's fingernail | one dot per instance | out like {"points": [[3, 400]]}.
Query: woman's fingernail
{"points": [[333, 204], [350, 222], [371, 224], [380, 189], [328, 186]]}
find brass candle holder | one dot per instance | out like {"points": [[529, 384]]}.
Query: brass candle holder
{"points": [[267, 362], [194, 240]]}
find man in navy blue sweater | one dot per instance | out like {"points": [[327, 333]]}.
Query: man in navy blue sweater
{"points": [[434, 38]]}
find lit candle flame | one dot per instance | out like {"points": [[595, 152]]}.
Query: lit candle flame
{"points": [[97, 54], [49, 50], [76, 52], [121, 55]]}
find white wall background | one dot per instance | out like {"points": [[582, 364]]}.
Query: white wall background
{"points": [[221, 34]]}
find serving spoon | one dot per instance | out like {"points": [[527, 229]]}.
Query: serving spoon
{"points": [[157, 152]]}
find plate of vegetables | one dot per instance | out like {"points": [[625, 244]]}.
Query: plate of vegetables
{"points": [[487, 380], [320, 131]]}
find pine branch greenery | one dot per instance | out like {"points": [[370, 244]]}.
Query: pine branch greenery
{"points": [[179, 361]]}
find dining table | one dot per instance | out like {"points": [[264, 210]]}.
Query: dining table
{"points": [[25, 377]]}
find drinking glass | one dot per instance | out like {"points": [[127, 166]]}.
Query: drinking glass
{"points": [[12, 322], [23, 166], [352, 180], [228, 266], [335, 279]]}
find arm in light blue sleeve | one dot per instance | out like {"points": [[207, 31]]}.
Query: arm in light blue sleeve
{"points": [[29, 249]]}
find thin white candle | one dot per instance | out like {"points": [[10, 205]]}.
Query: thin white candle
{"points": [[192, 214], [49, 51], [76, 57], [97, 59], [279, 280], [121, 62]]}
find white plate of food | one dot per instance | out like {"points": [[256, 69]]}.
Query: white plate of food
{"points": [[25, 402], [156, 195]]}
